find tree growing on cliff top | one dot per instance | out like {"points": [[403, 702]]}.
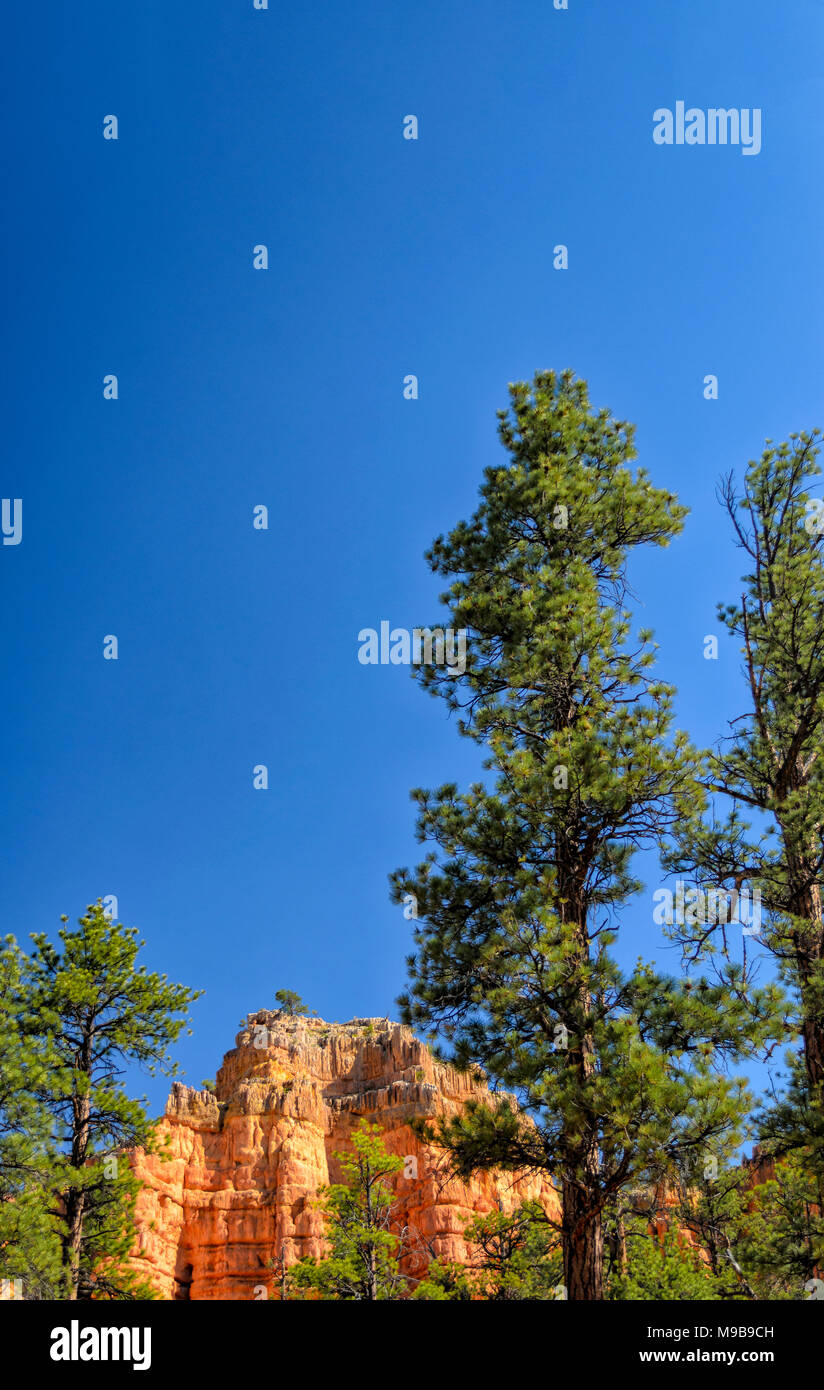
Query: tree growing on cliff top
{"points": [[518, 901], [100, 1012], [290, 1003]]}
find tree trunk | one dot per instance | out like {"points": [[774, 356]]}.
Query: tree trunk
{"points": [[75, 1200], [809, 951], [812, 1032], [371, 1260], [73, 1239], [621, 1244], [583, 1242], [581, 1219]]}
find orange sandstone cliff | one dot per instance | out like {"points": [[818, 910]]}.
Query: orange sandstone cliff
{"points": [[246, 1162]]}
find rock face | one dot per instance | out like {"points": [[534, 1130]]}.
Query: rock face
{"points": [[245, 1163]]}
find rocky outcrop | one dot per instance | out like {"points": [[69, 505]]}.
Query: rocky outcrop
{"points": [[236, 1193]]}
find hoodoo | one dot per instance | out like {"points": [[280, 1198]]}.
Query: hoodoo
{"points": [[236, 1194]]}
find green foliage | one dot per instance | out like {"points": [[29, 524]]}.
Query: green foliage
{"points": [[444, 1282], [712, 1206], [519, 898], [109, 1191], [86, 1010], [781, 1244], [663, 1269], [290, 1003], [30, 1229], [762, 1239], [513, 1257], [363, 1263], [768, 772]]}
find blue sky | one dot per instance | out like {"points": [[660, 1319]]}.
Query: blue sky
{"points": [[236, 387]]}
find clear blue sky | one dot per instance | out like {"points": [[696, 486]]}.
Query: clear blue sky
{"points": [[387, 257]]}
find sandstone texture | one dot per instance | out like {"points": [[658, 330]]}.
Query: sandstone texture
{"points": [[238, 1189]]}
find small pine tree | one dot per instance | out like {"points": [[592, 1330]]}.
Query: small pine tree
{"points": [[100, 1012], [711, 1207], [290, 1003], [662, 1269], [514, 1257], [781, 1243], [363, 1263]]}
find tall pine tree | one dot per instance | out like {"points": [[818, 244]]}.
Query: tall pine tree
{"points": [[30, 1226], [518, 901], [769, 770]]}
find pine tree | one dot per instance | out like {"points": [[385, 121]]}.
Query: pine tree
{"points": [[364, 1260], [100, 1012], [29, 1218], [290, 1003], [769, 768], [518, 902], [781, 1239], [663, 1268], [513, 1257], [713, 1203]]}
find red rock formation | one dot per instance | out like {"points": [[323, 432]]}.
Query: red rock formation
{"points": [[246, 1162]]}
